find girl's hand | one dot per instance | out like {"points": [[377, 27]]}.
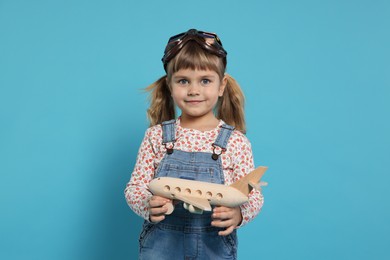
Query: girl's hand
{"points": [[158, 208], [225, 217]]}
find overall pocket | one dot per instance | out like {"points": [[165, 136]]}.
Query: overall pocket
{"points": [[147, 229], [230, 242]]}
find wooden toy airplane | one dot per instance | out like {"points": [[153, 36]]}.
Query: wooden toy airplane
{"points": [[199, 196]]}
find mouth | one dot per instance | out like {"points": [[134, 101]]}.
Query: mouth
{"points": [[193, 102]]}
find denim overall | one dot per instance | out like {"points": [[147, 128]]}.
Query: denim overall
{"points": [[185, 235]]}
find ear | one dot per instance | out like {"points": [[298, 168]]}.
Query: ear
{"points": [[222, 86]]}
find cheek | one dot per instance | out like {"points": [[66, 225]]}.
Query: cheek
{"points": [[213, 93], [177, 94]]}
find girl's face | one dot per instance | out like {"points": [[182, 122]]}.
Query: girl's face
{"points": [[196, 92]]}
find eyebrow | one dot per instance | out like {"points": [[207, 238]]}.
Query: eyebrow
{"points": [[206, 75]]}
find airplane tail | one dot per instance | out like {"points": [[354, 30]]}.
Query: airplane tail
{"points": [[250, 181]]}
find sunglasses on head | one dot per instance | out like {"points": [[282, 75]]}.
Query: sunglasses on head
{"points": [[208, 41]]}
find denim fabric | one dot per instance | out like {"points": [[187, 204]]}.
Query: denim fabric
{"points": [[184, 235]]}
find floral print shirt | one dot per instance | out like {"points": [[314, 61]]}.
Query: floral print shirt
{"points": [[237, 161]]}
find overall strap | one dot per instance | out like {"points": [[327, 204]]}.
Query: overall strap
{"points": [[168, 128], [223, 136], [222, 140]]}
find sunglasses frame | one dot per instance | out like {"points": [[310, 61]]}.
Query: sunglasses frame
{"points": [[176, 43]]}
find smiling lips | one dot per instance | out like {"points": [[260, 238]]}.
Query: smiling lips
{"points": [[193, 102]]}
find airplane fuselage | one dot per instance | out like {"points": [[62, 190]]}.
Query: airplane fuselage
{"points": [[215, 194]]}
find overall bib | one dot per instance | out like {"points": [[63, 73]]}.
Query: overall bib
{"points": [[184, 235]]}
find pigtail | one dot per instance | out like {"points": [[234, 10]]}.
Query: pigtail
{"points": [[230, 107], [161, 103]]}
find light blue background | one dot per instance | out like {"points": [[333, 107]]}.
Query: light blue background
{"points": [[72, 115]]}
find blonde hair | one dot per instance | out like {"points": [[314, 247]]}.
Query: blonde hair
{"points": [[230, 107]]}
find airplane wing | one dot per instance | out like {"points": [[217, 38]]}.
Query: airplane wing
{"points": [[200, 203]]}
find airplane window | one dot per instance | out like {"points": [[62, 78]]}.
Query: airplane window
{"points": [[177, 189], [219, 196], [209, 194], [167, 188], [188, 191], [198, 192]]}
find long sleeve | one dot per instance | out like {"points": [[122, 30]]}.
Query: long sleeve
{"points": [[242, 165], [137, 191]]}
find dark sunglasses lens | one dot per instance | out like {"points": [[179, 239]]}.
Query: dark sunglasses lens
{"points": [[211, 36], [176, 37]]}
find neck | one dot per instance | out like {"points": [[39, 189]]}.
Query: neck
{"points": [[201, 124]]}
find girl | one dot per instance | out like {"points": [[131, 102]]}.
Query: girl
{"points": [[206, 143]]}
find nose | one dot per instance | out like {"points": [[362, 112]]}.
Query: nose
{"points": [[193, 90]]}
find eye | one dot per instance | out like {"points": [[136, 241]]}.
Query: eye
{"points": [[205, 81], [182, 81]]}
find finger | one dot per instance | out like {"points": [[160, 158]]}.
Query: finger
{"points": [[154, 197], [156, 219], [158, 198], [226, 232], [222, 223], [158, 201], [222, 215], [158, 210], [220, 209]]}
